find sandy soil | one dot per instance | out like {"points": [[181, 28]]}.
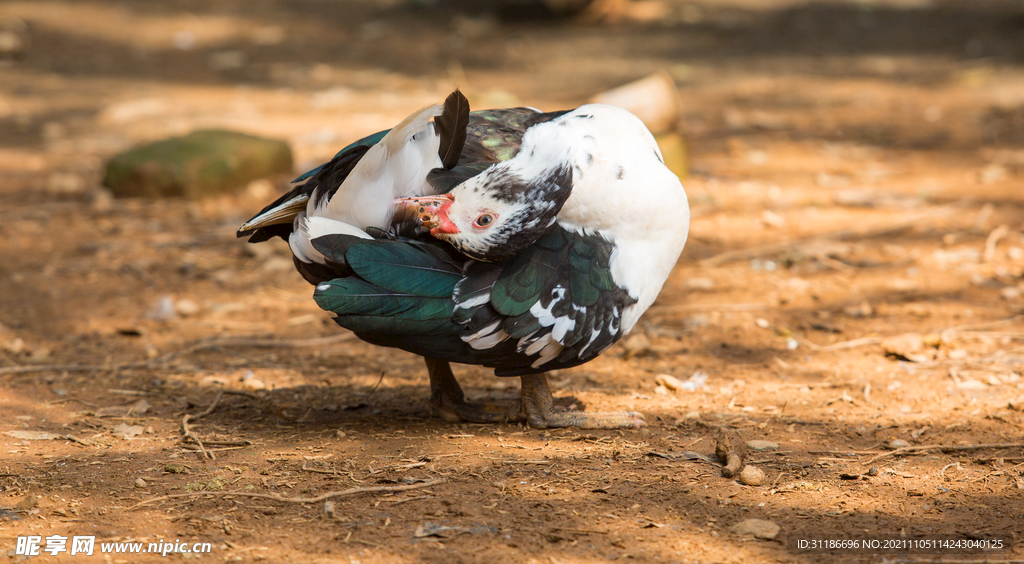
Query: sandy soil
{"points": [[854, 276]]}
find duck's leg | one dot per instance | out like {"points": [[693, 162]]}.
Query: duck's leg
{"points": [[448, 402], [539, 408]]}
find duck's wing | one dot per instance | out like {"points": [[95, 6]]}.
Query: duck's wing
{"points": [[553, 306], [276, 219]]}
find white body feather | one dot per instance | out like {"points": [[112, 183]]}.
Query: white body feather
{"points": [[623, 191], [396, 167]]}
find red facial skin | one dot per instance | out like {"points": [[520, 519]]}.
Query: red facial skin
{"points": [[431, 212], [444, 224]]}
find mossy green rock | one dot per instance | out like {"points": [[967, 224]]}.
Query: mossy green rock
{"points": [[202, 163]]}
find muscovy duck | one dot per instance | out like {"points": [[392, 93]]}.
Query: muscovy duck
{"points": [[515, 239]]}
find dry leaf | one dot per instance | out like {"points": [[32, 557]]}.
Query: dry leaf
{"points": [[128, 431]]}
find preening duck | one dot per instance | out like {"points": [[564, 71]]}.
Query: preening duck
{"points": [[516, 239]]}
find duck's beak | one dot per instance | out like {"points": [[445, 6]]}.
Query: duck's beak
{"points": [[427, 212]]}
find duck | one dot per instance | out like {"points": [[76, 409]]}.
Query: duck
{"points": [[519, 240]]}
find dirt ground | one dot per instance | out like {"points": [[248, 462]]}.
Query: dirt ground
{"points": [[853, 277]]}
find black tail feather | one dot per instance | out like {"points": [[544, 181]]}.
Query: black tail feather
{"points": [[451, 125]]}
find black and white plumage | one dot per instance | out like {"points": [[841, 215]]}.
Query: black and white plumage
{"points": [[514, 239]]}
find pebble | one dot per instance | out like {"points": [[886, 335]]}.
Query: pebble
{"points": [[751, 476], [873, 471], [668, 381], [186, 307], [661, 390], [65, 183], [897, 443], [250, 381], [163, 310], [329, 508], [700, 283], [692, 415], [140, 483], [758, 528], [759, 445]]}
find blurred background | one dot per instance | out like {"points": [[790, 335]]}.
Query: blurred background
{"points": [[901, 73]]}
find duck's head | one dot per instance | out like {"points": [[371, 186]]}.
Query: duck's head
{"points": [[493, 216]]}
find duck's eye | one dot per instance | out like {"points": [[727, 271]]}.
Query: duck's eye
{"points": [[484, 219]]}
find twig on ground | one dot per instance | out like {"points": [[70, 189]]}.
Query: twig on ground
{"points": [[275, 497], [75, 439], [923, 448], [408, 499], [188, 434], [947, 333], [992, 240], [853, 343], [308, 469], [214, 449]]}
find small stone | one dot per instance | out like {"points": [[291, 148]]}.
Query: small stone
{"points": [[163, 310], [14, 39], [908, 346], [873, 471], [101, 200], [140, 483], [897, 443], [692, 415], [668, 381], [759, 445], [762, 323], [772, 219], [249, 380], [227, 60], [751, 476], [65, 183], [700, 284], [329, 508], [661, 390], [862, 310], [186, 307], [758, 528], [340, 434]]}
